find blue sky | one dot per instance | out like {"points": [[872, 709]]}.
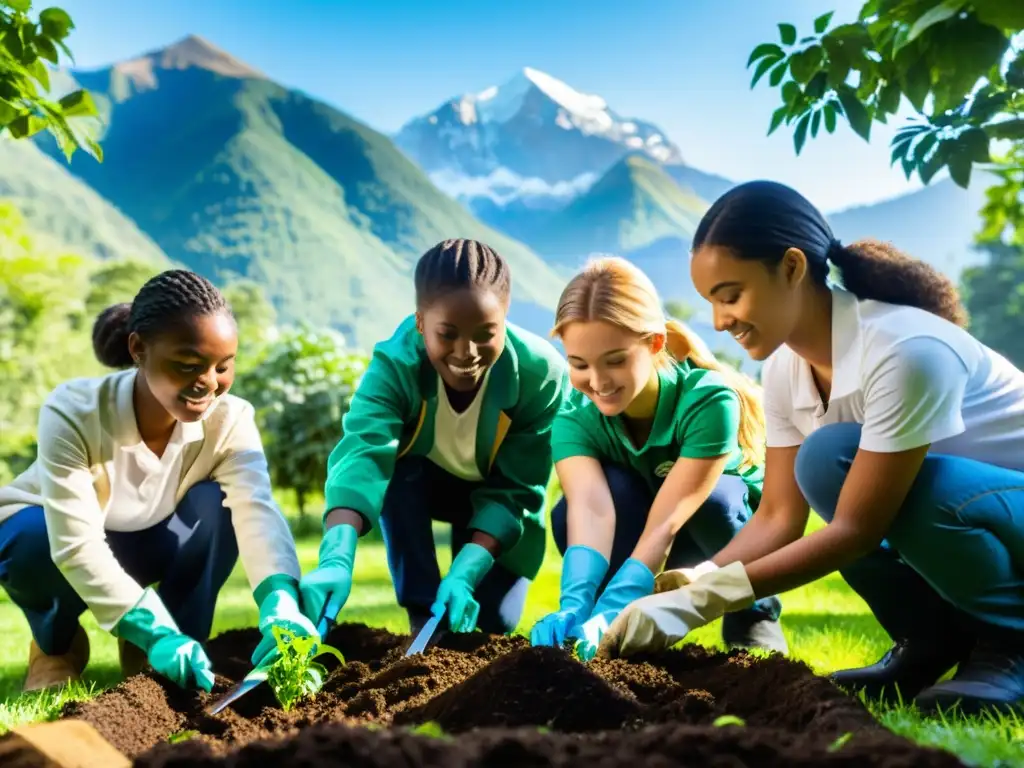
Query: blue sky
{"points": [[677, 63]]}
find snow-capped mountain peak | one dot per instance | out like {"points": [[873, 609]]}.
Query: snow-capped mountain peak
{"points": [[529, 133]]}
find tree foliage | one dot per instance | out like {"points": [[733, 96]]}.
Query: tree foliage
{"points": [[953, 60], [300, 390], [48, 301], [256, 320], [994, 297], [25, 106]]}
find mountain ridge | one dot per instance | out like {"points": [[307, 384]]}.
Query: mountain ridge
{"points": [[264, 182]]}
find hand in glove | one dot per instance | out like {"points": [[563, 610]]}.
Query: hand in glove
{"points": [[632, 581], [456, 590], [583, 568], [325, 589], [278, 599], [178, 657], [680, 577], [659, 621]]}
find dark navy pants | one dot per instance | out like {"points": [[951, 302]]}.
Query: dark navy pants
{"points": [[952, 561], [420, 492], [190, 554], [711, 527]]}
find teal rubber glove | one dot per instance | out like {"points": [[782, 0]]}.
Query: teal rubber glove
{"points": [[325, 589], [583, 568], [456, 590], [178, 657], [632, 581], [278, 599]]}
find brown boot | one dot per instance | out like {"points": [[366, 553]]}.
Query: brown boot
{"points": [[133, 659], [54, 671]]}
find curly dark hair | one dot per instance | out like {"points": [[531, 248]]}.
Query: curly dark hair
{"points": [[872, 269], [165, 300], [761, 220], [458, 264]]}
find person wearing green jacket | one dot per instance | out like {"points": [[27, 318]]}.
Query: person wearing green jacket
{"points": [[659, 453], [451, 422]]}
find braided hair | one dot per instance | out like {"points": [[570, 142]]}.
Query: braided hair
{"points": [[453, 265], [170, 298]]}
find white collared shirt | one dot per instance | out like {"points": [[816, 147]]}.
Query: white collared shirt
{"points": [[93, 473], [145, 485], [910, 378]]}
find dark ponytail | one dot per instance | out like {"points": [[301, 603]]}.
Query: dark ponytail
{"points": [[761, 220], [169, 299], [110, 336], [871, 269]]}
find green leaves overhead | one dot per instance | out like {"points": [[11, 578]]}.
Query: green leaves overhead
{"points": [[25, 105], [950, 59]]}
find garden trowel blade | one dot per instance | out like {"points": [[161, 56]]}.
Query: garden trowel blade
{"points": [[425, 636], [250, 681]]}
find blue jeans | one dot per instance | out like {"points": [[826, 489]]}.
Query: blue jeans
{"points": [[954, 553], [711, 527], [420, 492], [191, 554]]}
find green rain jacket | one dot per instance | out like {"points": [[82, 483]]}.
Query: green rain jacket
{"points": [[392, 415]]}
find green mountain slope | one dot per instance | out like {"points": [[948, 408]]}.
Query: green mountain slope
{"points": [[64, 210], [236, 176], [635, 204]]}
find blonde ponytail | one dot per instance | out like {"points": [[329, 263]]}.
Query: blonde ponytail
{"points": [[681, 344]]}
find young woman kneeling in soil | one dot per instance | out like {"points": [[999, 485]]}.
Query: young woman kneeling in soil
{"points": [[450, 422], [145, 475], [897, 426], [658, 453]]}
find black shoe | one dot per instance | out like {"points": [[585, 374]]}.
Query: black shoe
{"points": [[749, 630], [992, 678], [904, 671]]}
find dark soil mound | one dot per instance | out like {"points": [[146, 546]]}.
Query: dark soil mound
{"points": [[511, 705], [533, 686]]}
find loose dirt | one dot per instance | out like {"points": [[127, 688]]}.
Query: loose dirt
{"points": [[499, 701]]}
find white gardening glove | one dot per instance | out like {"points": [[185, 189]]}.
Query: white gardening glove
{"points": [[680, 577], [659, 621]]}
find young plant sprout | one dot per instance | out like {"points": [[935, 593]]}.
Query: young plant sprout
{"points": [[295, 675]]}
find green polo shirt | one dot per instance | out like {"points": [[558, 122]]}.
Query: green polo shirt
{"points": [[697, 417]]}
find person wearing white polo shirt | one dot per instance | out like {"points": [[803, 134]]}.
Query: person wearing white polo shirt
{"points": [[890, 420], [150, 475]]}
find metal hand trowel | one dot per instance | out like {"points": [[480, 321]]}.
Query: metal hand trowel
{"points": [[426, 635]]}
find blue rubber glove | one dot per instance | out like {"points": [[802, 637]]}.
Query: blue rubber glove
{"points": [[583, 568], [325, 589], [456, 590], [278, 599], [632, 581], [177, 657]]}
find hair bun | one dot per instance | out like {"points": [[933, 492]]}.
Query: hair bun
{"points": [[110, 336]]}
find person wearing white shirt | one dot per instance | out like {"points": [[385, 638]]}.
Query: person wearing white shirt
{"points": [[153, 474], [890, 420]]}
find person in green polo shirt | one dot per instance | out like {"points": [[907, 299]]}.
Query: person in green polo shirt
{"points": [[659, 452], [451, 422]]}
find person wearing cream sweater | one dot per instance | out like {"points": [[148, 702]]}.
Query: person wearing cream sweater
{"points": [[150, 475]]}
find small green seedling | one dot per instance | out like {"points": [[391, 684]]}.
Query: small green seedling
{"points": [[295, 676], [180, 736], [431, 729], [728, 720], [839, 743]]}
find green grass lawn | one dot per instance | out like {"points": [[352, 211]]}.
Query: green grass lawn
{"points": [[827, 626]]}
